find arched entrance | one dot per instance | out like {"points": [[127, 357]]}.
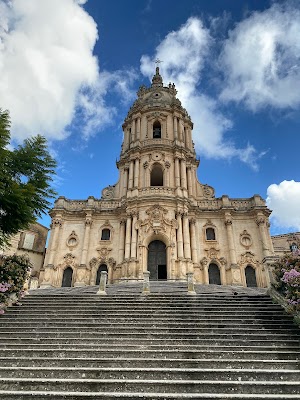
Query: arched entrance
{"points": [[102, 267], [214, 274], [67, 277], [157, 260], [250, 276]]}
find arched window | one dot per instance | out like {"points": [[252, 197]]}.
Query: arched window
{"points": [[102, 267], [105, 235], [210, 234], [250, 276], [157, 176], [156, 130], [214, 274], [67, 277]]}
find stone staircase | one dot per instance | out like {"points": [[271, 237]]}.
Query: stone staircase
{"points": [[223, 343]]}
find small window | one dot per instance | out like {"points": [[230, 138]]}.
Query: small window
{"points": [[157, 176], [28, 241], [105, 235], [210, 234], [294, 247], [156, 130]]}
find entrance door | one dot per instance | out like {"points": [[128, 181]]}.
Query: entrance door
{"points": [[102, 267], [250, 276], [157, 260], [214, 274], [67, 277]]}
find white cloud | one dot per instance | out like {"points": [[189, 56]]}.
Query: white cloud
{"points": [[183, 53], [261, 59], [48, 74], [284, 200]]}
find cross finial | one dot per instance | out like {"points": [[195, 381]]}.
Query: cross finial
{"points": [[157, 62]]}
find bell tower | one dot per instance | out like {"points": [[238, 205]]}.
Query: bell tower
{"points": [[157, 150]]}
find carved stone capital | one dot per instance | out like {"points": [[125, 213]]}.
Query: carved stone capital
{"points": [[228, 222]]}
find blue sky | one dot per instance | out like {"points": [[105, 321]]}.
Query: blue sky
{"points": [[70, 70]]}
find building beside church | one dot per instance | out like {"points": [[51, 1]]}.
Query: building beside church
{"points": [[31, 243], [158, 216], [285, 243]]}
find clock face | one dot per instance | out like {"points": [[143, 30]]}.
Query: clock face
{"points": [[156, 95], [156, 156]]}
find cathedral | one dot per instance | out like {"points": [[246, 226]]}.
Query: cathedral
{"points": [[158, 217]]}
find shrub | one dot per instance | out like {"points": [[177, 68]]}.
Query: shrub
{"points": [[14, 270], [287, 276]]}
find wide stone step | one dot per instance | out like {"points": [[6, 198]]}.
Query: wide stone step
{"points": [[132, 327], [146, 339], [42, 395], [127, 362], [150, 373], [150, 386], [187, 352], [158, 344], [143, 304], [115, 346]]}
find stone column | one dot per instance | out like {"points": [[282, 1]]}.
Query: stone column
{"points": [[183, 173], [133, 131], [138, 129], [128, 237], [261, 223], [167, 174], [122, 241], [186, 237], [86, 240], [146, 282], [177, 173], [145, 174], [175, 127], [102, 285], [190, 181], [190, 283], [179, 236], [205, 272], [133, 237], [130, 181], [232, 252], [125, 181], [136, 172], [56, 223], [193, 241]]}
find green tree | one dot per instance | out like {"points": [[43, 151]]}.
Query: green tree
{"points": [[26, 174]]}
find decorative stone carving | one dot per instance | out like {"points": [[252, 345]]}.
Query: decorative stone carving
{"points": [[103, 252], [72, 240], [56, 222], [108, 192], [245, 239], [204, 261], [157, 156], [146, 165], [69, 259], [157, 220], [248, 258], [167, 164], [208, 191], [93, 262]]}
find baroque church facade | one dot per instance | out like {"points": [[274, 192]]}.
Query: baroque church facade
{"points": [[158, 217]]}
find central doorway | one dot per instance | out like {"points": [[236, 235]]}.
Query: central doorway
{"points": [[157, 261]]}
